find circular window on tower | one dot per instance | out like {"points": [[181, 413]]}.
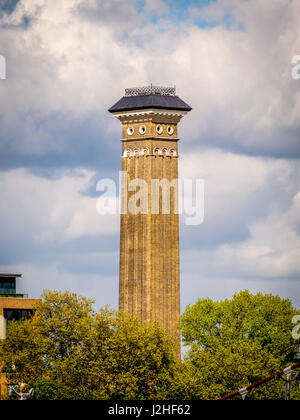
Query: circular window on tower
{"points": [[159, 129], [170, 130], [142, 129], [130, 131]]}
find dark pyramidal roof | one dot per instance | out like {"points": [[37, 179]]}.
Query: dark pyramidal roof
{"points": [[150, 97]]}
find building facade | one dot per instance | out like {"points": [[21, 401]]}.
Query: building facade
{"points": [[13, 307], [149, 283]]}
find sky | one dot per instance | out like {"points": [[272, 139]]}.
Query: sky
{"points": [[68, 61]]}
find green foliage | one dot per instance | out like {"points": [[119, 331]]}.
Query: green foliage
{"points": [[68, 350], [237, 342], [265, 319], [45, 389]]}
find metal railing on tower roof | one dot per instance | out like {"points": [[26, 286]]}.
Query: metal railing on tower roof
{"points": [[151, 90]]}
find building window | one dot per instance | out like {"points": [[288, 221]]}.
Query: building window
{"points": [[159, 129], [7, 286], [130, 131], [170, 130], [17, 314], [142, 129]]}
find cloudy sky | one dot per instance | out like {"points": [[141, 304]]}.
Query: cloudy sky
{"points": [[69, 61]]}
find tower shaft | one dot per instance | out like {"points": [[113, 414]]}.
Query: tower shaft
{"points": [[149, 245]]}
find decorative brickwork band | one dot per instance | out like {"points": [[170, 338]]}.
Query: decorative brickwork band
{"points": [[129, 153]]}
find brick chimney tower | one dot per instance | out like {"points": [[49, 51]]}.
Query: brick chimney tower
{"points": [[149, 284]]}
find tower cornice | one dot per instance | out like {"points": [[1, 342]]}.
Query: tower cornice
{"points": [[149, 114]]}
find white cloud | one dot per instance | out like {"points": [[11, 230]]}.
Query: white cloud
{"points": [[41, 220], [75, 58], [219, 288], [239, 189], [50, 210], [242, 192], [156, 6], [260, 195], [73, 61], [35, 279]]}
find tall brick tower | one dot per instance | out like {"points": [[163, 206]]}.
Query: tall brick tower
{"points": [[149, 285]]}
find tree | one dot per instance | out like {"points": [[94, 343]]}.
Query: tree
{"points": [[68, 351], [236, 342], [67, 348]]}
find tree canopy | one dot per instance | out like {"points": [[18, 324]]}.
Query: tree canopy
{"points": [[69, 351], [66, 347], [239, 341]]}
